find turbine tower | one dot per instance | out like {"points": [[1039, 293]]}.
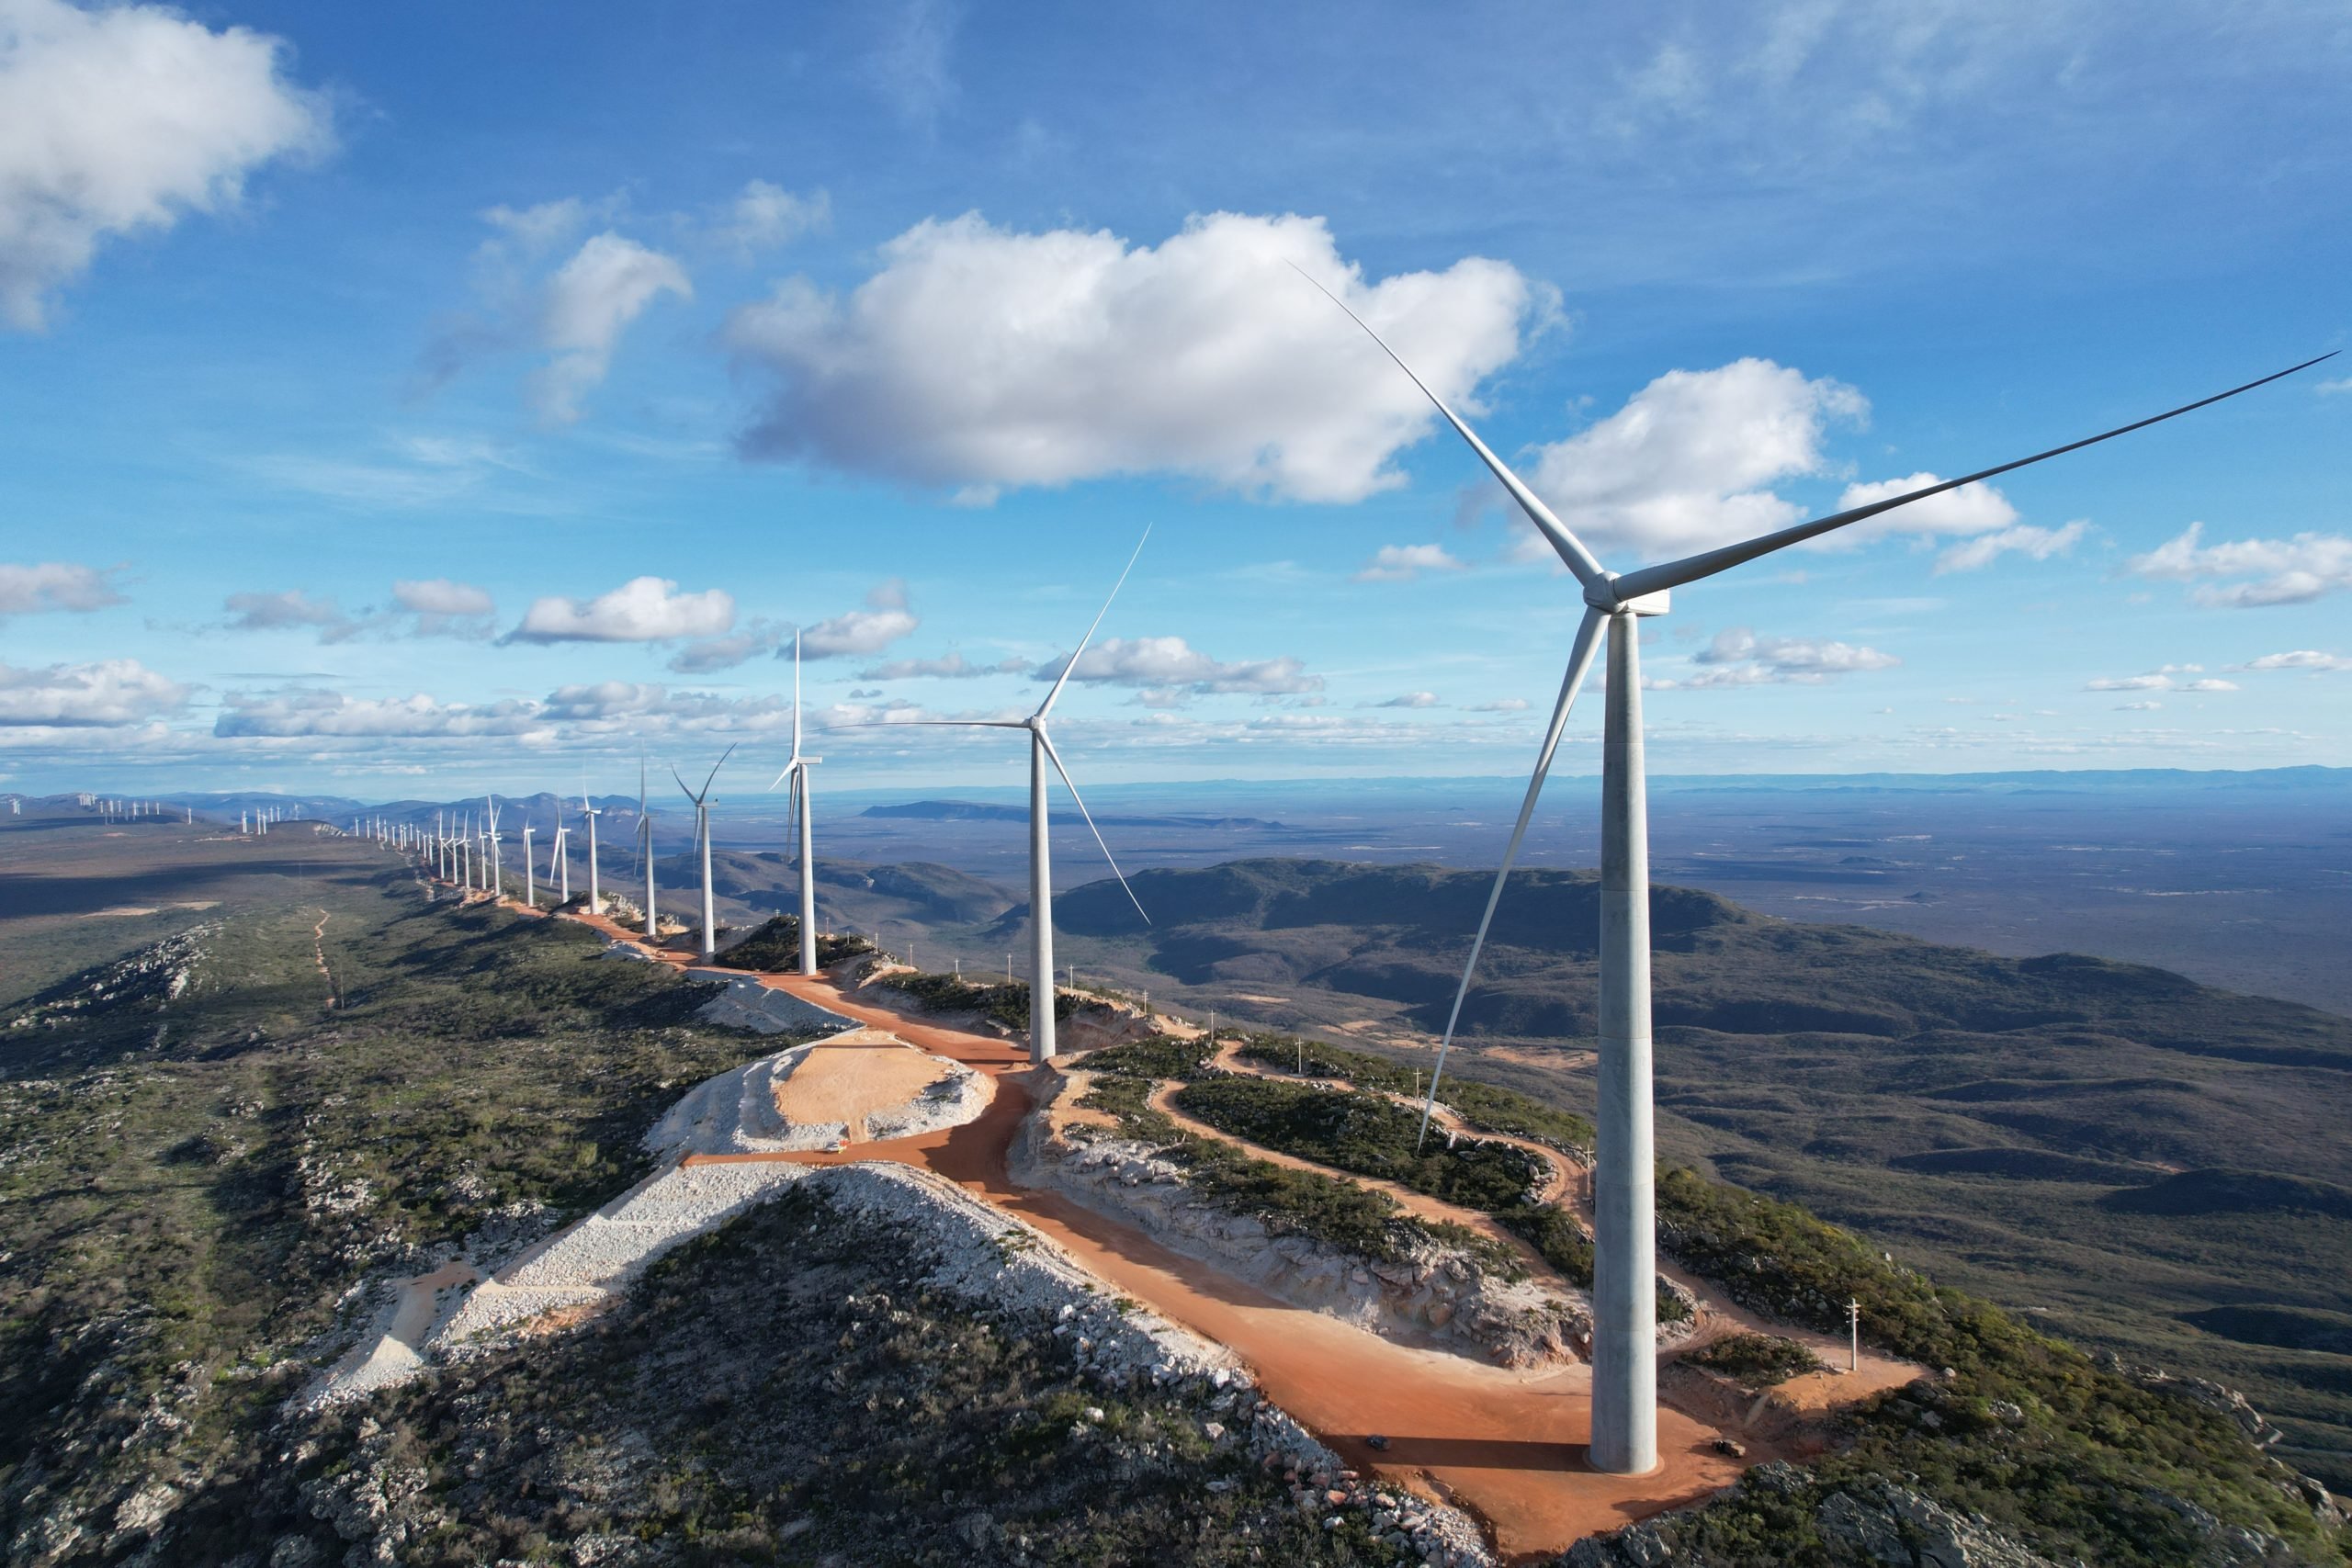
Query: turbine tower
{"points": [[797, 770], [558, 863], [1624, 1302], [702, 836], [1041, 880], [531, 883], [645, 843], [588, 809], [497, 869]]}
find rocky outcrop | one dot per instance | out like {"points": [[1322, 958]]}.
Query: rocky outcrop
{"points": [[1433, 1293]]}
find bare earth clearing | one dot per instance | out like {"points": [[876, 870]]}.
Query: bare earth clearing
{"points": [[1506, 1446]]}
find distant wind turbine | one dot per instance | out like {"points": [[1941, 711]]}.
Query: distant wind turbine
{"points": [[588, 809], [497, 869], [1624, 1330], [702, 836], [1041, 881], [530, 882], [645, 843], [558, 863], [797, 770]]}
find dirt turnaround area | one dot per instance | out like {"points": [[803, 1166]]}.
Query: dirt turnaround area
{"points": [[1508, 1446]]}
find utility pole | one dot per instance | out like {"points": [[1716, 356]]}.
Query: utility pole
{"points": [[1854, 1327]]}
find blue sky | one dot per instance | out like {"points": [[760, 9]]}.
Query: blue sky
{"points": [[360, 365]]}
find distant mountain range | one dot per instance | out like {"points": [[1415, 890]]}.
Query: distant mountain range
{"points": [[983, 811]]}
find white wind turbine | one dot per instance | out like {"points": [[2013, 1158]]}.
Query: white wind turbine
{"points": [[558, 863], [497, 869], [645, 846], [797, 770], [702, 837], [1624, 1330], [530, 882], [588, 809], [1041, 882]]}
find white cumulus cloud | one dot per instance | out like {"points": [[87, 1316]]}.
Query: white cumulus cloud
{"points": [[590, 303], [1689, 462], [1169, 665], [1738, 656], [644, 609], [1971, 509], [2300, 659], [2267, 571], [861, 632], [1410, 700], [55, 585], [306, 712], [986, 359], [953, 667], [2024, 538], [1403, 563], [2169, 678], [765, 216], [123, 118], [108, 693], [293, 608]]}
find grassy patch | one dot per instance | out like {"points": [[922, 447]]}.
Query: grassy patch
{"points": [[1328, 1209], [2083, 1467], [1489, 1107], [998, 1001], [1160, 1057], [774, 948], [788, 1390], [189, 1181], [1366, 1134], [1756, 1360]]}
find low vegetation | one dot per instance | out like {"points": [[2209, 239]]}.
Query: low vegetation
{"points": [[191, 1181], [1488, 1108], [1754, 1360], [1002, 1002], [1366, 1134], [2076, 1459], [774, 948], [789, 1390], [1287, 1201]]}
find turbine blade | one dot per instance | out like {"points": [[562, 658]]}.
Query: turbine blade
{"points": [[1063, 679], [1690, 568], [1570, 549], [1056, 758], [681, 785], [935, 722], [716, 766], [789, 769], [1580, 662]]}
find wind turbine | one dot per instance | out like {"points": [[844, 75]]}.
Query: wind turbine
{"points": [[558, 864], [702, 836], [588, 809], [644, 839], [530, 882], [797, 770], [1624, 1302], [497, 869], [1041, 882]]}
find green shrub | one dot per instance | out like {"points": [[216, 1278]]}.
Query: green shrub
{"points": [[1756, 1360], [1487, 1107], [1363, 1134]]}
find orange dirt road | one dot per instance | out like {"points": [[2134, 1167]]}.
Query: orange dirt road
{"points": [[1508, 1446]]}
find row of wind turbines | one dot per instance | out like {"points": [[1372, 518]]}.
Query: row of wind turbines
{"points": [[1624, 1409]]}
